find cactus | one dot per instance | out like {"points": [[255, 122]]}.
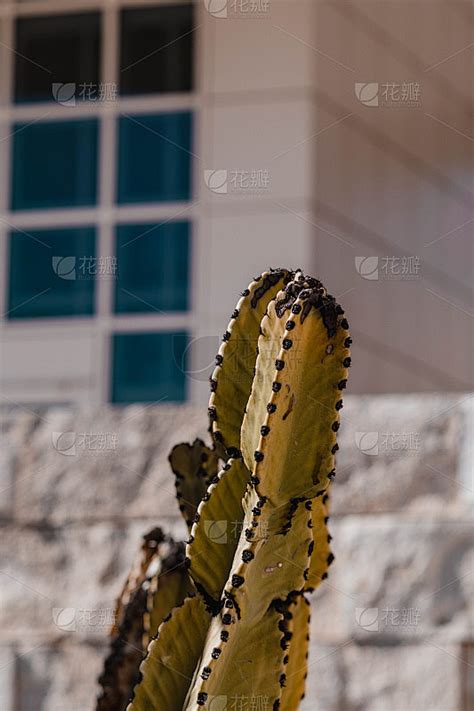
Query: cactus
{"points": [[258, 539]]}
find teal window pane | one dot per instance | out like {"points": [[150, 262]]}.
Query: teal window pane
{"points": [[154, 158], [51, 273], [54, 164], [153, 267], [148, 367]]}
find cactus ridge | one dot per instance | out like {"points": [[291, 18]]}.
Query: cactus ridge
{"points": [[321, 551], [172, 656], [246, 661], [194, 465], [258, 537], [166, 589], [160, 561], [296, 659], [277, 561], [213, 539], [231, 380]]}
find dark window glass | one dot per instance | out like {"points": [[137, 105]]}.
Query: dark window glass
{"points": [[55, 49], [51, 273], [148, 367], [153, 265], [154, 158], [54, 164], [157, 49]]}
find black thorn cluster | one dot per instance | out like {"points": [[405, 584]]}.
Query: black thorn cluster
{"points": [[237, 581], [206, 673]]}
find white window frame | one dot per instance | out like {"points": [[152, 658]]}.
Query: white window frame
{"points": [[105, 215]]}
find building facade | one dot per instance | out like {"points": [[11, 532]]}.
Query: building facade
{"points": [[155, 156]]}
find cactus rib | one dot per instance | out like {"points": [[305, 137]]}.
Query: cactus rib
{"points": [[232, 378], [168, 669], [193, 466], [215, 533]]}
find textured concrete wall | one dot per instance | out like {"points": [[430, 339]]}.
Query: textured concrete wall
{"points": [[388, 624]]}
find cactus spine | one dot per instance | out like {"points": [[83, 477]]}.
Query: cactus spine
{"points": [[258, 538]]}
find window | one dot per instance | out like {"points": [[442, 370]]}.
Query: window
{"points": [[149, 367], [153, 267], [49, 275], [54, 164], [55, 49], [154, 158], [157, 47], [98, 220]]}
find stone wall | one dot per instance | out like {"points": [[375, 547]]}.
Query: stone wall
{"points": [[392, 626]]}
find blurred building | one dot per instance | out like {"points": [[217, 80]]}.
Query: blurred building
{"points": [[155, 156]]}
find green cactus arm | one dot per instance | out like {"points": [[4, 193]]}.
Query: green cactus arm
{"points": [[272, 558], [215, 534], [168, 669], [232, 378], [297, 660], [193, 466], [240, 661], [167, 589], [158, 552], [138, 573], [296, 439], [321, 557]]}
